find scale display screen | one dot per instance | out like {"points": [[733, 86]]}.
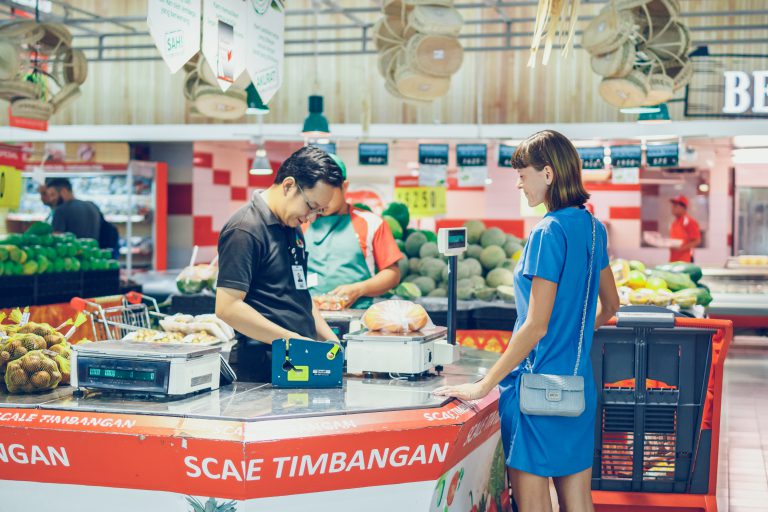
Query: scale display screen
{"points": [[113, 373], [457, 239]]}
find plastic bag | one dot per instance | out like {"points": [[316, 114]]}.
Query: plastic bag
{"points": [[330, 302], [34, 371], [177, 323], [396, 316], [196, 278], [228, 331]]}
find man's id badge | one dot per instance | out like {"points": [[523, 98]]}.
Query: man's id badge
{"points": [[298, 277]]}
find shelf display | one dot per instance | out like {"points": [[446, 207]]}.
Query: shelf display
{"points": [[129, 200]]}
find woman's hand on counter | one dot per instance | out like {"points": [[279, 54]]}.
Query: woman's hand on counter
{"points": [[472, 391], [351, 292]]}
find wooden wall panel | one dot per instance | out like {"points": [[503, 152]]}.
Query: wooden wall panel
{"points": [[144, 92]]}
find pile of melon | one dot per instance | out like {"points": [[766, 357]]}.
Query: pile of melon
{"points": [[485, 270]]}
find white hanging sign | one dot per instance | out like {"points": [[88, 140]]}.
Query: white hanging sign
{"points": [[175, 28], [265, 49], [224, 27]]}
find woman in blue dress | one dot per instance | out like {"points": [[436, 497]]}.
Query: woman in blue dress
{"points": [[550, 293]]}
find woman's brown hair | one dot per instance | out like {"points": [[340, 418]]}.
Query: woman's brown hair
{"points": [[550, 148]]}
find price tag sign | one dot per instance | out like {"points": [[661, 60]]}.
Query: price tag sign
{"points": [[373, 153], [623, 176], [433, 154], [592, 158], [626, 157], [505, 155], [10, 187], [471, 155], [422, 201], [328, 148], [662, 155]]}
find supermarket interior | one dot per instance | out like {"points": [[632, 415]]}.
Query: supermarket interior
{"points": [[344, 254]]}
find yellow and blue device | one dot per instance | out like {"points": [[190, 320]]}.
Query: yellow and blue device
{"points": [[299, 363]]}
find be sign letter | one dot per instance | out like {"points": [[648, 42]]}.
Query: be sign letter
{"points": [[743, 92]]}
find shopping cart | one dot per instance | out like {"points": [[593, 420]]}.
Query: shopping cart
{"points": [[113, 318]]}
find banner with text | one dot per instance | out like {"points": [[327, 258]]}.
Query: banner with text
{"points": [[223, 44], [505, 155], [265, 50], [175, 28], [433, 165], [472, 161]]}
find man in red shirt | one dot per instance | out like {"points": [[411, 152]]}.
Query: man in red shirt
{"points": [[684, 228]]}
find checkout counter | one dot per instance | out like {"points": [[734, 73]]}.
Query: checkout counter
{"points": [[382, 444]]}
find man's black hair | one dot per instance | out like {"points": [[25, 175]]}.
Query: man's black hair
{"points": [[309, 165], [59, 183]]}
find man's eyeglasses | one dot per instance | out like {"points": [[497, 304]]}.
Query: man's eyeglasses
{"points": [[312, 211]]}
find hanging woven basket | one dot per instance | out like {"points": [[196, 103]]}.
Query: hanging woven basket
{"points": [[628, 91], [32, 109], [615, 64], [212, 102], [415, 84], [435, 20], [434, 55], [607, 31]]}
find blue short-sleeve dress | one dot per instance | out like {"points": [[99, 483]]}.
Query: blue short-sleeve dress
{"points": [[558, 250]]}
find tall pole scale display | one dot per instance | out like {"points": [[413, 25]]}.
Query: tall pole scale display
{"points": [[452, 242]]}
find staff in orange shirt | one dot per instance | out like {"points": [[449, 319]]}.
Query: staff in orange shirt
{"points": [[684, 228]]}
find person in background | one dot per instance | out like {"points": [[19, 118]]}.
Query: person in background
{"points": [[684, 228], [262, 287], [352, 252], [556, 319], [47, 198], [71, 215]]}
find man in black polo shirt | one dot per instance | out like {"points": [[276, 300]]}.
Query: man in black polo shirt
{"points": [[262, 288]]}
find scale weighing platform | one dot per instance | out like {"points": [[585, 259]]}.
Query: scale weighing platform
{"points": [[411, 354], [165, 369]]}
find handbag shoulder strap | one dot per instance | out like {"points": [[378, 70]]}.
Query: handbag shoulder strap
{"points": [[528, 364], [586, 298]]}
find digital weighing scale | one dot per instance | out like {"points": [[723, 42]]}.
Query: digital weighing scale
{"points": [[412, 354], [152, 368]]}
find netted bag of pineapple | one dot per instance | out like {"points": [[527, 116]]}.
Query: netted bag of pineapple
{"points": [[33, 372]]}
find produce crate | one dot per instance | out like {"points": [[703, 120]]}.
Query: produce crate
{"points": [[17, 291], [659, 383], [101, 283], [196, 304], [58, 287], [494, 316]]}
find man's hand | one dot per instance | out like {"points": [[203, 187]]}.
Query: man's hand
{"points": [[352, 291]]}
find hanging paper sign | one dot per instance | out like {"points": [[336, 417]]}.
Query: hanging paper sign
{"points": [[175, 28], [422, 201], [626, 157], [505, 155], [662, 155], [433, 165], [592, 158], [472, 160], [630, 176], [224, 26], [265, 47], [369, 153], [329, 147]]}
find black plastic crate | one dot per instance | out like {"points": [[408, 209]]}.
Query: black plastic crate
{"points": [[17, 291], [196, 304], [101, 283], [57, 288], [652, 386], [495, 316]]}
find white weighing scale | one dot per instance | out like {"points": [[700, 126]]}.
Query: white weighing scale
{"points": [[412, 354], [148, 368]]}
